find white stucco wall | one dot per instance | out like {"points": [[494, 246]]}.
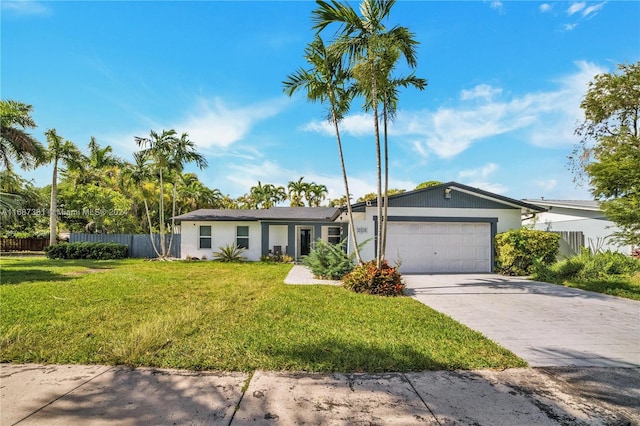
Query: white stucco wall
{"points": [[365, 227], [222, 233], [597, 232]]}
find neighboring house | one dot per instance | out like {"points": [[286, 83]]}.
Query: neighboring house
{"points": [[289, 230], [444, 228], [572, 217]]}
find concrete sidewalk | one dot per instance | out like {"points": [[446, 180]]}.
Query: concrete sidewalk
{"points": [[103, 395]]}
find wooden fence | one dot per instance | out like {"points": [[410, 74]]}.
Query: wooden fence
{"points": [[23, 244]]}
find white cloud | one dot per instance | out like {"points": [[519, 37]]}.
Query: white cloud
{"points": [[25, 7], [593, 10], [569, 27], [480, 172], [477, 178], [482, 91], [575, 8], [496, 4], [545, 7], [213, 123], [544, 119], [356, 124], [496, 188]]}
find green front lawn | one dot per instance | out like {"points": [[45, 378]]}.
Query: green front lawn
{"points": [[216, 316]]}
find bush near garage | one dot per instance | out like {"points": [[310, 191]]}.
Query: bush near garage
{"points": [[97, 251], [517, 250], [588, 266], [368, 279]]}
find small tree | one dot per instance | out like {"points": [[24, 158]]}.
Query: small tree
{"points": [[609, 152]]}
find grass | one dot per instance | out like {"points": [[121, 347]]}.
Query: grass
{"points": [[221, 316], [627, 286], [604, 272]]}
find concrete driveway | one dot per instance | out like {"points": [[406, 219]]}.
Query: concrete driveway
{"points": [[545, 324]]}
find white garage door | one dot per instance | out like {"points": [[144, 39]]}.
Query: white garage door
{"points": [[439, 247]]}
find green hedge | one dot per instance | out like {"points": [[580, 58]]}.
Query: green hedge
{"points": [[99, 251], [517, 250]]}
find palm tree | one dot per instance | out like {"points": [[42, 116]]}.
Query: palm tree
{"points": [[136, 175], [369, 46], [297, 189], [157, 148], [15, 143], [268, 195], [325, 81], [57, 152], [100, 167], [168, 154], [182, 152], [318, 194]]}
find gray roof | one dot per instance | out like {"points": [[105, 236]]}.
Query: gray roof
{"points": [[275, 213], [570, 204], [417, 197]]}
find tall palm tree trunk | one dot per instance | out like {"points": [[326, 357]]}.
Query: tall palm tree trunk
{"points": [[163, 246], [386, 176], [352, 228], [173, 222], [153, 243], [53, 219], [376, 124]]}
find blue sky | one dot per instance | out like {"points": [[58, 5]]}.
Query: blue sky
{"points": [[505, 83]]}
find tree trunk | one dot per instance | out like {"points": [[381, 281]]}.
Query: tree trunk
{"points": [[374, 98], [162, 244], [352, 229], [153, 243], [173, 214], [53, 222], [386, 177]]}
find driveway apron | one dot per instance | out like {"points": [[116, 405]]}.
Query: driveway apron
{"points": [[545, 324]]}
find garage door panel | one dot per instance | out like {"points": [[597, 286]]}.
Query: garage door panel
{"points": [[437, 247]]}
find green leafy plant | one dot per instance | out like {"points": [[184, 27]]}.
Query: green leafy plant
{"points": [[516, 250], [603, 272], [98, 251], [367, 278], [229, 253], [329, 261]]}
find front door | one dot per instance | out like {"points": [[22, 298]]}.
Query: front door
{"points": [[305, 241]]}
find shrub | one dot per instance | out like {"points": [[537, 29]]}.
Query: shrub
{"points": [[99, 251], [366, 278], [516, 250], [328, 261], [588, 266], [600, 265], [229, 253]]}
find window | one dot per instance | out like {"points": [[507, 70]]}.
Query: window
{"points": [[333, 235], [242, 237], [205, 237]]}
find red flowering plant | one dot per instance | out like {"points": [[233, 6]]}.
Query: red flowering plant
{"points": [[366, 278]]}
